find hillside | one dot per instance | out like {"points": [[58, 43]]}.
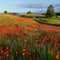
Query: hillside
{"points": [[11, 20], [7, 20]]}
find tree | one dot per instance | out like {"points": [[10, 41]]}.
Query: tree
{"points": [[29, 12], [50, 12], [5, 12]]}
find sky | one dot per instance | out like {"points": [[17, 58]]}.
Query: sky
{"points": [[22, 6]]}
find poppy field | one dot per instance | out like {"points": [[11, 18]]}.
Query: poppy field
{"points": [[20, 40], [28, 43]]}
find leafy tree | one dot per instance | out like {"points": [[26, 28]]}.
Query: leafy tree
{"points": [[29, 12], [5, 12], [50, 12]]}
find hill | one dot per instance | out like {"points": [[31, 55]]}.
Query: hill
{"points": [[11, 20]]}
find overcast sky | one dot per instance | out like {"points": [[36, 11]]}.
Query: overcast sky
{"points": [[22, 6]]}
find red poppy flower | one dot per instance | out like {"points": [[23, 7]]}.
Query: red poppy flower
{"points": [[36, 58], [16, 53], [56, 57], [31, 58], [7, 55], [0, 57]]}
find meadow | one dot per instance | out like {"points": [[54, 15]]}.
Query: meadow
{"points": [[25, 39], [40, 18]]}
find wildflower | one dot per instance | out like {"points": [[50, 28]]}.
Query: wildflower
{"points": [[31, 58], [36, 58], [28, 53], [7, 48], [7, 55], [2, 51], [0, 57], [23, 54], [56, 57], [16, 53], [56, 50], [25, 40], [10, 50], [58, 44], [36, 41], [24, 49]]}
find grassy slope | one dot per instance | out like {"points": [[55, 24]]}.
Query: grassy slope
{"points": [[49, 21], [41, 19], [10, 20]]}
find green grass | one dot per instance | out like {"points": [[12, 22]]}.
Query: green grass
{"points": [[41, 19], [32, 15], [49, 21], [5, 19], [11, 20]]}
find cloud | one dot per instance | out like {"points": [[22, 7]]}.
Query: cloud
{"points": [[33, 6], [56, 5]]}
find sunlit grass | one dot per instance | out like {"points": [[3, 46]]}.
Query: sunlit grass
{"points": [[11, 20]]}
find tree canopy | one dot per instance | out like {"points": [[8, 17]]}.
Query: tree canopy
{"points": [[50, 12], [29, 12], [5, 12]]}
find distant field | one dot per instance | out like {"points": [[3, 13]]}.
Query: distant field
{"points": [[32, 15], [41, 19]]}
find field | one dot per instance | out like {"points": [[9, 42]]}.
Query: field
{"points": [[10, 20], [32, 15], [51, 21], [41, 19], [18, 33]]}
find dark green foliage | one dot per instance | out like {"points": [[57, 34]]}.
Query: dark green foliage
{"points": [[29, 12], [50, 12], [5, 12], [46, 22]]}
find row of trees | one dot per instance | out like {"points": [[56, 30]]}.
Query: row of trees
{"points": [[50, 12]]}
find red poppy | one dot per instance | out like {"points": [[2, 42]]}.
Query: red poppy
{"points": [[28, 53], [29, 45], [10, 50], [56, 50], [56, 57], [2, 51], [0, 57], [36, 58], [7, 48], [16, 53], [31, 58], [7, 55]]}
